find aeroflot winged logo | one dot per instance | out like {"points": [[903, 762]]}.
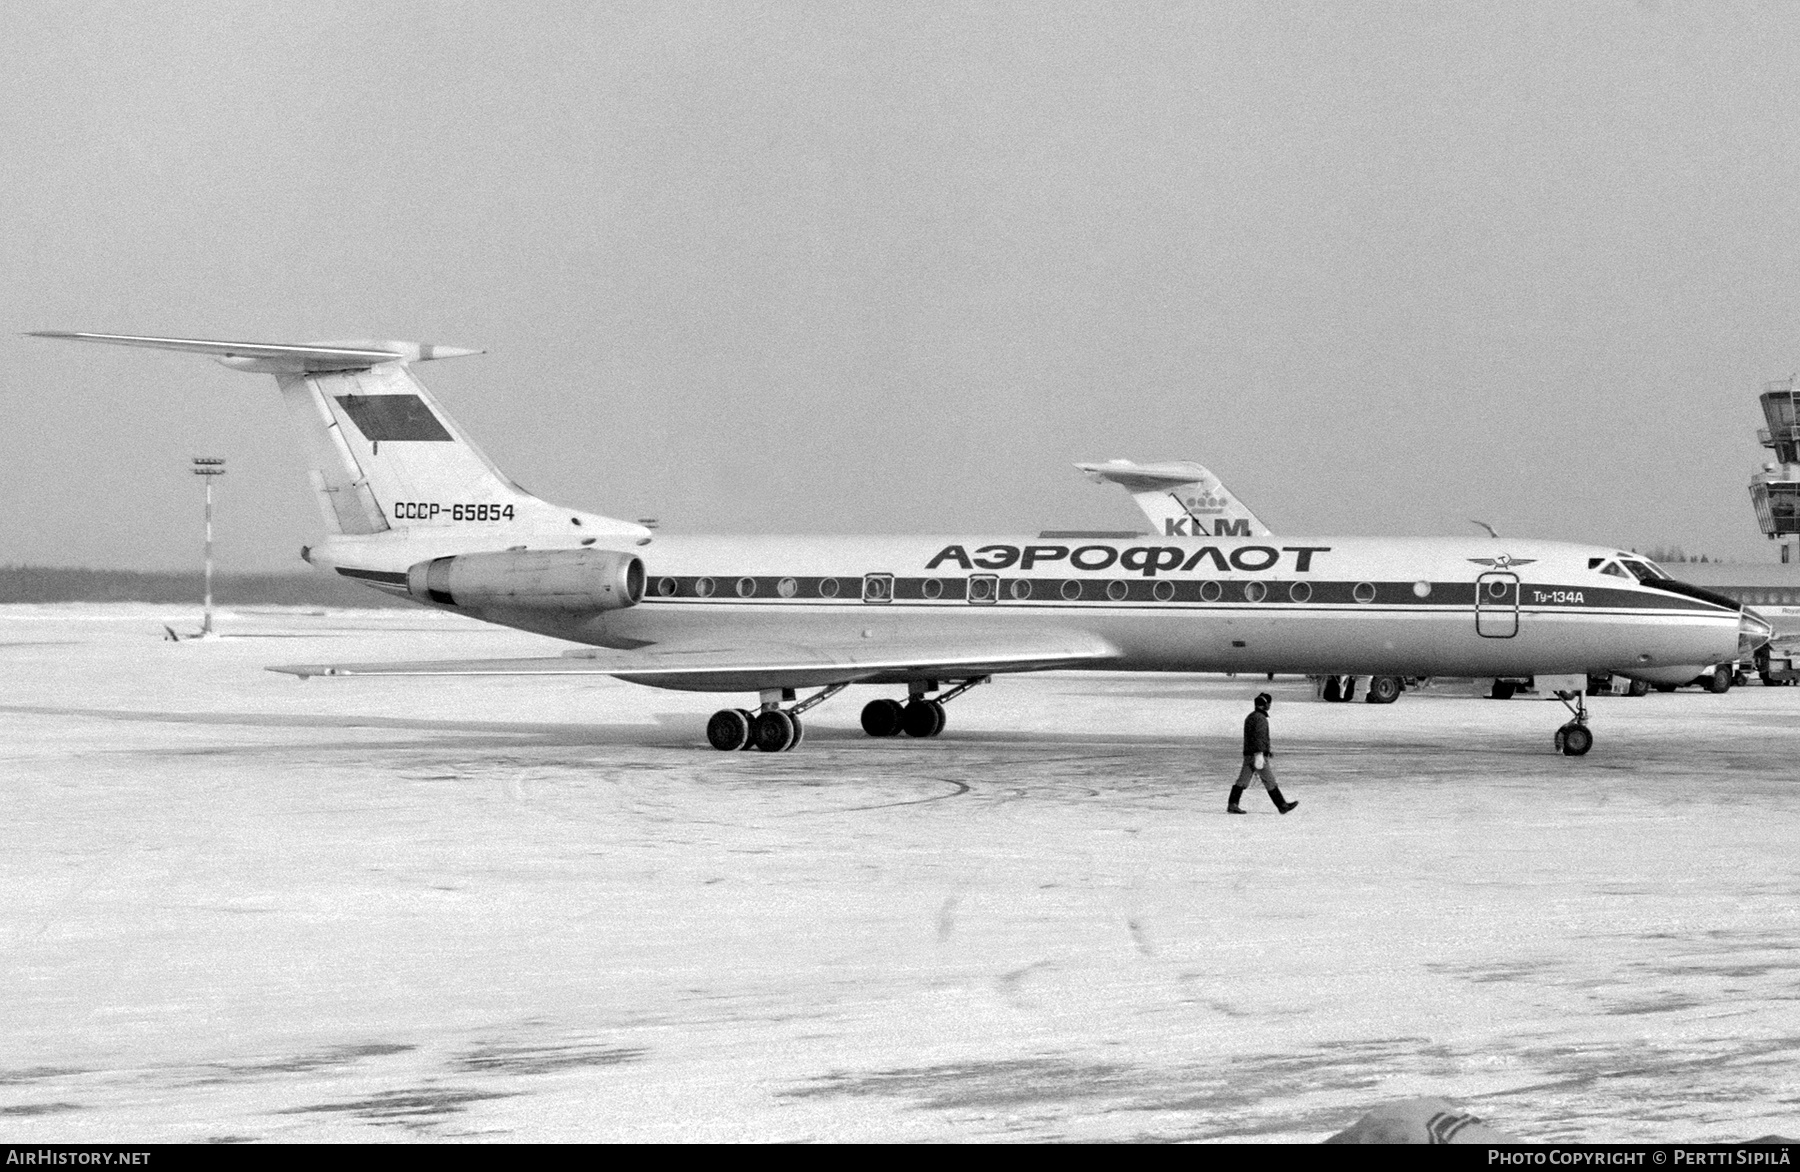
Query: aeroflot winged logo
{"points": [[1503, 562], [1147, 560]]}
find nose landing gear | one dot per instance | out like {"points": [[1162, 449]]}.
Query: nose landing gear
{"points": [[1573, 739]]}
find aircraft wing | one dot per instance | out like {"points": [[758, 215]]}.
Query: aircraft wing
{"points": [[753, 666]]}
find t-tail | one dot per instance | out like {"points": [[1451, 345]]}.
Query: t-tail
{"points": [[394, 476], [1181, 498]]}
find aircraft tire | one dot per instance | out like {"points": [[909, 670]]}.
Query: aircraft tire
{"points": [[1576, 740], [882, 718], [1638, 688], [1719, 682], [1383, 689], [922, 718], [749, 722], [1502, 690], [774, 731], [1329, 693], [799, 733], [1665, 687], [728, 730]]}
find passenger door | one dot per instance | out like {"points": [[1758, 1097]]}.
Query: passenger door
{"points": [[1497, 605]]}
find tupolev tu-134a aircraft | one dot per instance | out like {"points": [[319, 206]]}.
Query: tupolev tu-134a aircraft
{"points": [[416, 510]]}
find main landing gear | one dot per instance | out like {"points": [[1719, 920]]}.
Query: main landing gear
{"points": [[1383, 689], [771, 729], [1573, 739], [918, 717], [1380, 689], [774, 729]]}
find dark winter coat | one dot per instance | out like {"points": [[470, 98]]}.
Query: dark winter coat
{"points": [[1256, 733]]}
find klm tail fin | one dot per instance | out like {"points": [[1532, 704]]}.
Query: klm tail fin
{"points": [[382, 454], [1181, 499]]}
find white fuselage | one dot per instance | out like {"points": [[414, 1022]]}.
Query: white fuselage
{"points": [[1416, 606]]}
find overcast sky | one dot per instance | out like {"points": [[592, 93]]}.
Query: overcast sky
{"points": [[892, 267]]}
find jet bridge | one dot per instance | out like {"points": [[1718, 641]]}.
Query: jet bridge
{"points": [[1775, 490]]}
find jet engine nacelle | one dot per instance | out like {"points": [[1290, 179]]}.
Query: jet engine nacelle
{"points": [[544, 579]]}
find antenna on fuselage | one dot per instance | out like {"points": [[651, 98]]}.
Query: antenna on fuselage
{"points": [[1484, 525]]}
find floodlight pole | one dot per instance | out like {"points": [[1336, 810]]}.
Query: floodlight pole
{"points": [[207, 467]]}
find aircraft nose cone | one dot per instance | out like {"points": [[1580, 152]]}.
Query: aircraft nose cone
{"points": [[1753, 632]]}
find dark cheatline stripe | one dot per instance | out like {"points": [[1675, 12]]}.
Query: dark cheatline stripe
{"points": [[1688, 590], [979, 589], [385, 576]]}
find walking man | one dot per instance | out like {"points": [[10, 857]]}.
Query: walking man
{"points": [[1256, 758]]}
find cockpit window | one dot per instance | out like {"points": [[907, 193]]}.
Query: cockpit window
{"points": [[1614, 569], [1644, 571]]}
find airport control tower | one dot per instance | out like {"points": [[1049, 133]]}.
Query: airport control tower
{"points": [[1775, 490]]}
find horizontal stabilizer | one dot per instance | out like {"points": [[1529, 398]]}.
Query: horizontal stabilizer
{"points": [[271, 358], [750, 667], [1133, 477]]}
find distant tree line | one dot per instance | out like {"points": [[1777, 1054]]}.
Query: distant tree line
{"points": [[1673, 553], [56, 584]]}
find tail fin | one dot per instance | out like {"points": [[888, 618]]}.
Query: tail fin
{"points": [[382, 454], [1181, 499]]}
